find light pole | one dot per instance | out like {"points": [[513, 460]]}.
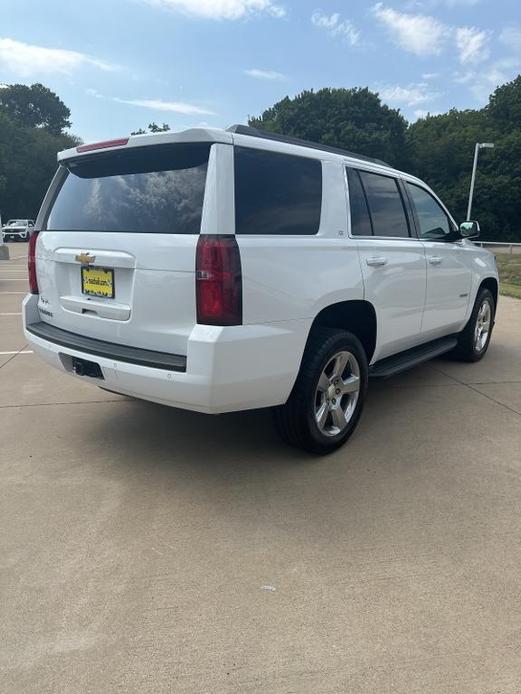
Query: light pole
{"points": [[479, 145]]}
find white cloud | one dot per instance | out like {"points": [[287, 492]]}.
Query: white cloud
{"points": [[221, 9], [25, 60], [264, 74], [472, 44], [483, 82], [422, 113], [336, 26], [411, 95], [431, 4], [416, 33], [424, 35], [160, 105], [155, 104], [430, 75], [511, 37], [463, 3], [93, 92]]}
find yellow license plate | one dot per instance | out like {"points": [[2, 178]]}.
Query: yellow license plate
{"points": [[97, 281]]}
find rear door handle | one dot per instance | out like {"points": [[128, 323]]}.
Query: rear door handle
{"points": [[435, 259], [376, 261]]}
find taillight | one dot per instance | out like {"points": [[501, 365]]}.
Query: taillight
{"points": [[218, 280], [102, 145], [31, 262]]}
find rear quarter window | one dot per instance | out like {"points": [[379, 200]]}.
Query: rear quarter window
{"points": [[155, 189], [360, 220], [276, 193]]}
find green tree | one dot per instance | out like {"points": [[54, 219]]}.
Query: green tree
{"points": [[27, 165], [504, 108], [153, 128], [354, 119], [35, 107], [442, 149], [32, 120]]}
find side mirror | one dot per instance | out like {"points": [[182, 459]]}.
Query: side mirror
{"points": [[469, 230]]}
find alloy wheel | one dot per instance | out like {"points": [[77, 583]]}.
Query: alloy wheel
{"points": [[337, 393]]}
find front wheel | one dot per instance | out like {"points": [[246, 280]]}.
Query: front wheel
{"points": [[473, 342], [327, 400]]}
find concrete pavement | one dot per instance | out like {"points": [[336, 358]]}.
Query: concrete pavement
{"points": [[144, 549]]}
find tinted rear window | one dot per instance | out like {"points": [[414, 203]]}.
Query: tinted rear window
{"points": [[276, 193], [385, 205], [158, 189], [360, 220]]}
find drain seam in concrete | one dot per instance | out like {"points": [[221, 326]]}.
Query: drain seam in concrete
{"points": [[14, 355], [489, 397]]}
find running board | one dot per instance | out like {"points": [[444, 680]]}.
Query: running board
{"points": [[391, 366]]}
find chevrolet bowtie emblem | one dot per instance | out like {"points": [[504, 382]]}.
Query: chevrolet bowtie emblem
{"points": [[85, 258]]}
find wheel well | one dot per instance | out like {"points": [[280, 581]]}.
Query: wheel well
{"points": [[491, 284], [358, 317]]}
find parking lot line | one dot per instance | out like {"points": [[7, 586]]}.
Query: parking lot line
{"points": [[13, 279], [11, 314], [23, 351]]}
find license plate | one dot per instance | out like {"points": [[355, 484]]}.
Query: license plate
{"points": [[97, 281]]}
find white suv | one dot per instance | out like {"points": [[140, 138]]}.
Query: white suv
{"points": [[18, 230], [219, 270]]}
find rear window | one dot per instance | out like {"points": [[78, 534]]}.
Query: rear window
{"points": [[385, 205], [276, 193], [360, 220], [158, 189]]}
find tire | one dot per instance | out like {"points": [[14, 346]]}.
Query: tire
{"points": [[311, 417], [474, 340]]}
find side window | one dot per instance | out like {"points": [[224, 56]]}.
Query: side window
{"points": [[276, 193], [360, 220], [433, 221], [385, 205]]}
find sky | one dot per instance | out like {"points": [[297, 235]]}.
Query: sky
{"points": [[120, 64]]}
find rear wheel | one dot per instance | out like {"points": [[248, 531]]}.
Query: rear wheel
{"points": [[474, 340], [327, 399]]}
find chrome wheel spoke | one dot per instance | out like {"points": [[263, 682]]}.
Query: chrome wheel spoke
{"points": [[338, 417], [340, 365], [350, 385], [323, 383], [321, 415]]}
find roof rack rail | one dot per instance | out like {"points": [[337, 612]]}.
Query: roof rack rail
{"points": [[266, 135]]}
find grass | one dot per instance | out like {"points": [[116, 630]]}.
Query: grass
{"points": [[509, 267]]}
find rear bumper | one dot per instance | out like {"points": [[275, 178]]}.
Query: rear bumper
{"points": [[225, 369], [100, 348]]}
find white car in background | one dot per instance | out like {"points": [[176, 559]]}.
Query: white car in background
{"points": [[18, 230], [4, 250]]}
